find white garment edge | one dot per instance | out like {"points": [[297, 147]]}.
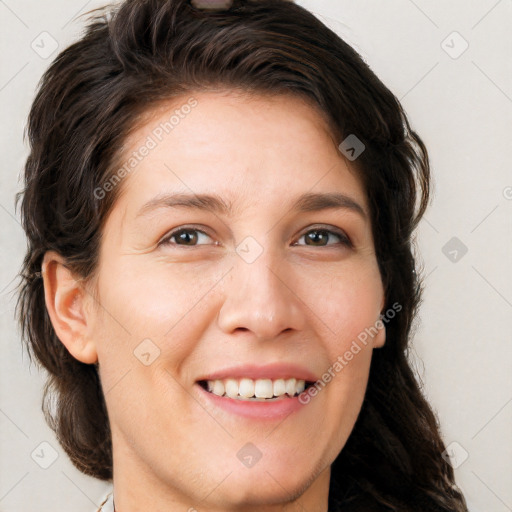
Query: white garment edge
{"points": [[108, 504]]}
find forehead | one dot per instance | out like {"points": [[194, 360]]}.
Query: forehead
{"points": [[245, 147]]}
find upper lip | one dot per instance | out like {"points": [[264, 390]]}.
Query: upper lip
{"points": [[270, 371]]}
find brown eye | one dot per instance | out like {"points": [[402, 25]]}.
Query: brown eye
{"points": [[184, 237], [320, 237]]}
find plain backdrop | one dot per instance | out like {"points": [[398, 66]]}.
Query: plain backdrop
{"points": [[460, 102]]}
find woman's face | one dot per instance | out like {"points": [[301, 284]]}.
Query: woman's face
{"points": [[241, 291]]}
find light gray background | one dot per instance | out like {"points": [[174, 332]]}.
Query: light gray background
{"points": [[461, 107]]}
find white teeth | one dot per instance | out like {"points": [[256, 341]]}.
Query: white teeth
{"points": [[263, 388], [231, 388], [259, 388], [279, 387], [290, 386], [218, 387], [246, 388]]}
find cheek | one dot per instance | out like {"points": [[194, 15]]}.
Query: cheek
{"points": [[346, 309], [152, 300], [348, 305], [153, 310]]}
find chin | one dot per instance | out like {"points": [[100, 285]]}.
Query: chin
{"points": [[270, 484], [260, 493]]}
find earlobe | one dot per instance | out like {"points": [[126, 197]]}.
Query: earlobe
{"points": [[66, 298]]}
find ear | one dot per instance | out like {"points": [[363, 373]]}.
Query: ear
{"points": [[66, 300], [380, 338]]}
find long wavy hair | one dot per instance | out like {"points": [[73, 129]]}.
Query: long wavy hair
{"points": [[142, 52]]}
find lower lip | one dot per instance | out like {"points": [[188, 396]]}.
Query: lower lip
{"points": [[271, 410]]}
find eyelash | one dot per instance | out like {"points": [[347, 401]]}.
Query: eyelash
{"points": [[344, 239]]}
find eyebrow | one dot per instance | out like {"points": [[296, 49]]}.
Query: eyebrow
{"points": [[307, 202]]}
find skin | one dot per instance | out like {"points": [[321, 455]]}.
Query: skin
{"points": [[204, 307]]}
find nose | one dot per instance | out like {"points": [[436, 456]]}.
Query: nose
{"points": [[260, 298]]}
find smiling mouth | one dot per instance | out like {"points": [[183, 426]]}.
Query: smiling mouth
{"points": [[259, 390]]}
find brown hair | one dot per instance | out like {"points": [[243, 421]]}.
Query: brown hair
{"points": [[147, 51]]}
